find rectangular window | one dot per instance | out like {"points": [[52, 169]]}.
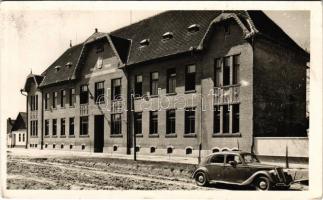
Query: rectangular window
{"points": [[19, 137], [71, 128], [54, 99], [115, 124], [227, 29], [154, 77], [99, 92], [226, 118], [170, 121], [189, 120], [217, 72], [23, 137], [54, 126], [190, 78], [235, 118], [216, 119], [138, 86], [84, 125], [36, 102], [116, 89], [84, 94], [138, 123], [46, 127], [171, 80], [31, 128], [226, 71], [63, 126], [31, 103], [46, 100], [63, 94], [236, 68], [153, 127], [72, 97]]}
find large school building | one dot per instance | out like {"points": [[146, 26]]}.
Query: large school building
{"points": [[186, 83]]}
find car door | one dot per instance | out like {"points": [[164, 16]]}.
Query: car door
{"points": [[215, 167], [235, 174]]}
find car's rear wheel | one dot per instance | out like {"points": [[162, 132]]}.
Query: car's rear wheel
{"points": [[201, 179], [262, 183]]}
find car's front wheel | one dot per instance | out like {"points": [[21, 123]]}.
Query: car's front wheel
{"points": [[262, 183], [201, 179]]}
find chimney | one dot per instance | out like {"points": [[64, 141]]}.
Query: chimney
{"points": [[96, 30], [71, 43]]}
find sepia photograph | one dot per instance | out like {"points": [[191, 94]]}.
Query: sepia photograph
{"points": [[129, 100]]}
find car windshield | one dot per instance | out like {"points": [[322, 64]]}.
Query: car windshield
{"points": [[249, 158]]}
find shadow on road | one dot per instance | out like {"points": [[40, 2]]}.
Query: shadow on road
{"points": [[237, 187]]}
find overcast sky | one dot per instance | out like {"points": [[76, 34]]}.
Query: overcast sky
{"points": [[34, 39]]}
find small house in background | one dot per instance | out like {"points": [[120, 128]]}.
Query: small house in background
{"points": [[16, 131]]}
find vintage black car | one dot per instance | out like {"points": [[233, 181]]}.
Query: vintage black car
{"points": [[240, 168]]}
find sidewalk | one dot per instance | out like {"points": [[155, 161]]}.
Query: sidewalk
{"points": [[37, 153], [173, 159]]}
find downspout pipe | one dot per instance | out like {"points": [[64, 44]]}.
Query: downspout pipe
{"points": [[26, 95]]}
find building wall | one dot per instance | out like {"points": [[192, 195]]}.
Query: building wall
{"points": [[89, 74], [218, 47], [34, 141], [19, 134], [279, 90]]}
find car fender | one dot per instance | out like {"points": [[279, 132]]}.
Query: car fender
{"points": [[203, 169], [256, 174]]}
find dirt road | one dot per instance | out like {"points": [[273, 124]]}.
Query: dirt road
{"points": [[79, 173], [51, 174]]}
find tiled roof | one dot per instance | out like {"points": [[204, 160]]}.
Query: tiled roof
{"points": [[10, 123], [20, 122], [154, 27], [127, 40], [51, 75]]}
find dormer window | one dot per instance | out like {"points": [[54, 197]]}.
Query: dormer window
{"points": [[144, 42], [57, 68], [69, 64], [167, 36], [193, 28]]}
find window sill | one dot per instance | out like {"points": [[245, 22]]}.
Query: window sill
{"points": [[62, 107], [189, 135], [139, 135], [46, 136], [226, 135], [84, 136], [63, 136], [54, 108], [71, 106], [154, 135], [138, 98], [170, 135], [228, 86], [71, 136], [84, 104], [54, 136], [154, 96], [116, 136], [190, 91], [171, 94], [33, 136]]}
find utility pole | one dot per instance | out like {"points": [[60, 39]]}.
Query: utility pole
{"points": [[133, 125]]}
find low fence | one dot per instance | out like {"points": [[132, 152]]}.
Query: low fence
{"points": [[278, 148]]}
